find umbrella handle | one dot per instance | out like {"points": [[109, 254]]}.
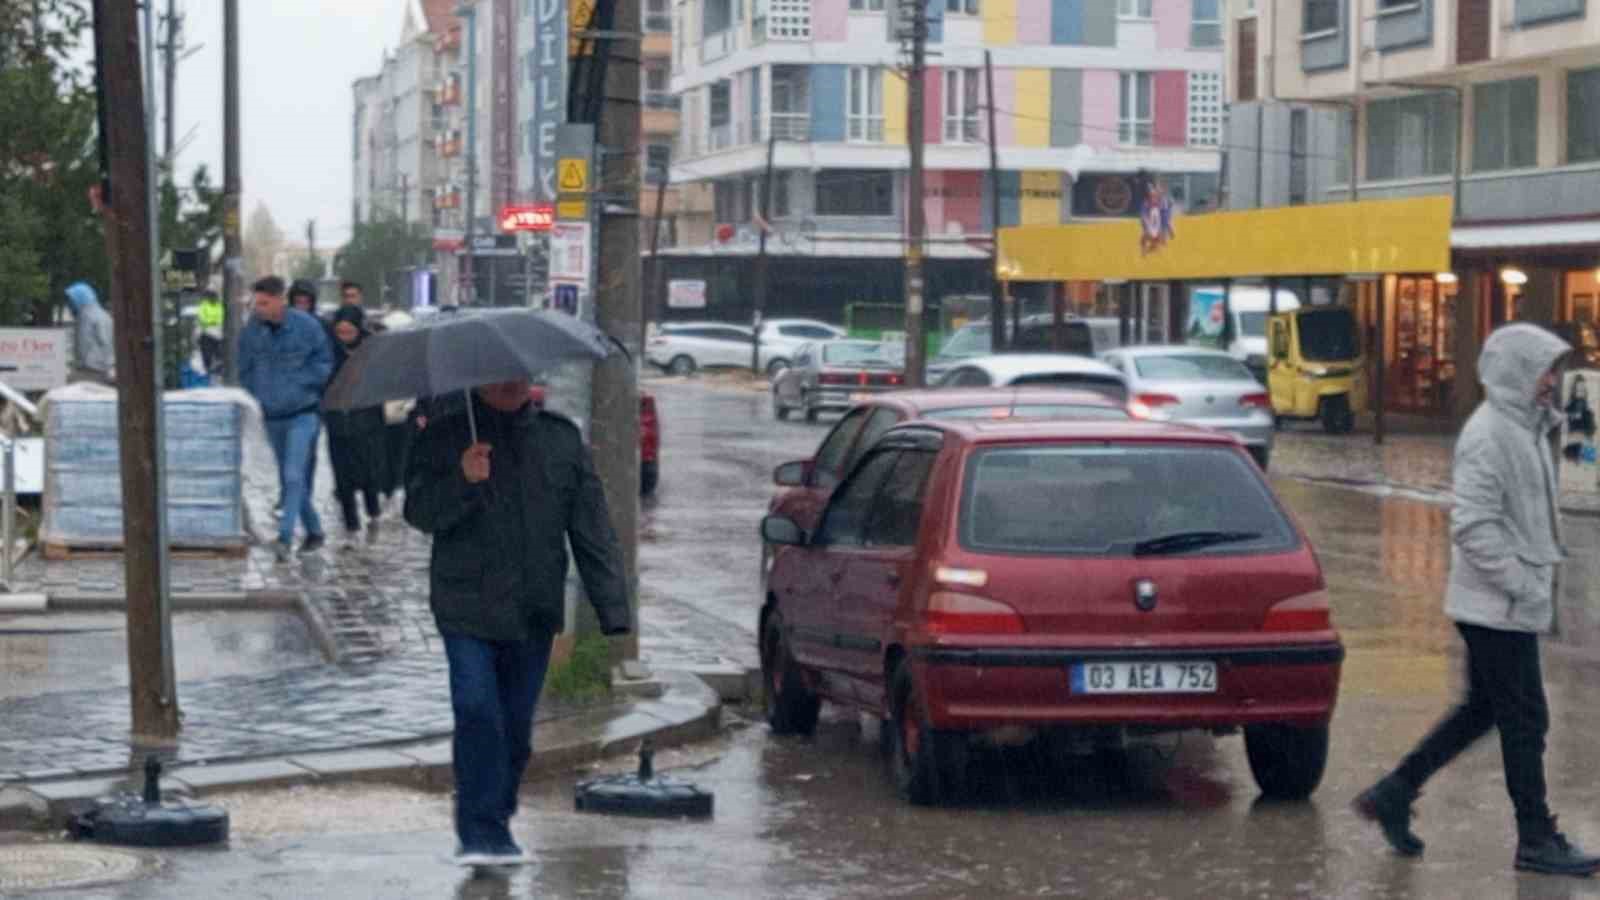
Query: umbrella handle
{"points": [[472, 418]]}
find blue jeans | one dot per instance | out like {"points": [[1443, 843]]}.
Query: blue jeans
{"points": [[494, 687], [294, 443]]}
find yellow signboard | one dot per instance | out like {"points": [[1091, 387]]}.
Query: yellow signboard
{"points": [[1372, 236], [572, 176], [580, 18], [572, 210]]}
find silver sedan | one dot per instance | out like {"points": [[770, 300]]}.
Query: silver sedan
{"points": [[829, 374], [1198, 387]]}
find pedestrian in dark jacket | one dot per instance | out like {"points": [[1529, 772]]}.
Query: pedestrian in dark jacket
{"points": [[285, 361], [502, 512], [1506, 531], [356, 443]]}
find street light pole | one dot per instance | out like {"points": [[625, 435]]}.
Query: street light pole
{"points": [[997, 291], [469, 12]]}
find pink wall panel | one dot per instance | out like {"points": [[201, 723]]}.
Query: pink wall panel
{"points": [[1033, 21], [1172, 24], [933, 202], [933, 105], [830, 20], [963, 201], [1005, 103], [1172, 109], [1100, 98]]}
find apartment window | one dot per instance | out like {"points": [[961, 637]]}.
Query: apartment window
{"points": [[865, 118], [961, 105], [721, 116], [728, 201], [1299, 175], [1136, 121], [961, 7], [1320, 16], [718, 17], [657, 87], [1505, 125], [780, 194], [753, 91], [855, 192], [657, 162], [1583, 125], [791, 103], [1205, 27], [1410, 137], [1136, 9], [1205, 109], [866, 5], [658, 16]]}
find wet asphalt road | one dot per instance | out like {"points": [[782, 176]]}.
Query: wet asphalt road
{"points": [[817, 818]]}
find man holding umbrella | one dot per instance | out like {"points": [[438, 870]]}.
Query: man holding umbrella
{"points": [[504, 488]]}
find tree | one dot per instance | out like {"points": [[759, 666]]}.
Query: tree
{"points": [[263, 241], [379, 248], [311, 267], [191, 217]]}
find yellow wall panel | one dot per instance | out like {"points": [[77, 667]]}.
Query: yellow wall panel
{"points": [[894, 107], [1372, 236], [1032, 108], [1000, 22], [1041, 198]]}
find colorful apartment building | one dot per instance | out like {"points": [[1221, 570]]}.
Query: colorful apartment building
{"points": [[1093, 101]]}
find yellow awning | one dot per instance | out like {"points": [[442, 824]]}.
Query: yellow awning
{"points": [[1369, 237]]}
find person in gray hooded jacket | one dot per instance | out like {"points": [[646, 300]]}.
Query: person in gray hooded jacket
{"points": [[96, 355], [1506, 534]]}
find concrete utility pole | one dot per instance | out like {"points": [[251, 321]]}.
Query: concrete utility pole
{"points": [[614, 399], [658, 299], [762, 281], [130, 244], [232, 246], [469, 12], [169, 83], [916, 223], [997, 291]]}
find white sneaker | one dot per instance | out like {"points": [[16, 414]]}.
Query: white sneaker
{"points": [[475, 860]]}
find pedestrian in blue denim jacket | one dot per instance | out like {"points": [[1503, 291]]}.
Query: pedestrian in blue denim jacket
{"points": [[285, 361]]}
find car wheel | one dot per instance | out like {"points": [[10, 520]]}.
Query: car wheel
{"points": [[649, 476], [682, 366], [791, 707], [779, 411], [1336, 415], [776, 367], [928, 766], [1287, 761]]}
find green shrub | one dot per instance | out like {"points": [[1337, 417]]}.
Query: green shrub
{"points": [[586, 675]]}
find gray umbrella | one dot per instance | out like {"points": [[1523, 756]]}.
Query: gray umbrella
{"points": [[459, 352]]}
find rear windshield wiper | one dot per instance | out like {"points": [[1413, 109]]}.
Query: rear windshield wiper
{"points": [[1191, 540]]}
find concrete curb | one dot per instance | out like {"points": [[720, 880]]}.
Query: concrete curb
{"points": [[687, 710]]}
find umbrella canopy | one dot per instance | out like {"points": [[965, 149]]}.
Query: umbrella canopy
{"points": [[460, 352]]}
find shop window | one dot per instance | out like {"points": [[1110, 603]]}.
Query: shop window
{"points": [[854, 192], [1583, 125], [1505, 125], [1410, 137]]}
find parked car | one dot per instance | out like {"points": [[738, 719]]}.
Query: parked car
{"points": [[683, 348], [1083, 583], [828, 374], [649, 438], [781, 339], [1082, 336], [1038, 369], [1200, 387]]}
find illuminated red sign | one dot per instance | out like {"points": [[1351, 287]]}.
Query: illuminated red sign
{"points": [[527, 218]]}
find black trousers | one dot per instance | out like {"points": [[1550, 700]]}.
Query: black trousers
{"points": [[1505, 691]]}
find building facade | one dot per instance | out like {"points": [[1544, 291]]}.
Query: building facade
{"points": [[1093, 103], [1495, 103]]}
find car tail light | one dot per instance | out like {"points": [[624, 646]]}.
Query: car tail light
{"points": [[1256, 401], [950, 612], [1307, 612], [833, 378], [1149, 406]]}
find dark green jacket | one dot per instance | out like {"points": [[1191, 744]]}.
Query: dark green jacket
{"points": [[499, 567]]}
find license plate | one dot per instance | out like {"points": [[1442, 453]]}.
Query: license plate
{"points": [[1144, 678]]}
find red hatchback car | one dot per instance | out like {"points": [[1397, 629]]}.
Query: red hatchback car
{"points": [[1088, 582]]}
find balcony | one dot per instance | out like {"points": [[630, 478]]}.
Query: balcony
{"points": [[791, 126]]}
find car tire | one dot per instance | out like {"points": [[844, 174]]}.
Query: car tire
{"points": [[779, 411], [649, 476], [1336, 415], [928, 766], [682, 365], [776, 367], [1286, 760], [791, 707]]}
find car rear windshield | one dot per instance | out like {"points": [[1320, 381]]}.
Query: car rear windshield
{"points": [[1114, 500], [1191, 367], [1030, 411], [863, 354]]}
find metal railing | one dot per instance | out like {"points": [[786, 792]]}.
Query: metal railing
{"points": [[791, 126], [8, 484]]}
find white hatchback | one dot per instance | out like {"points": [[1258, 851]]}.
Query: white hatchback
{"points": [[682, 348]]}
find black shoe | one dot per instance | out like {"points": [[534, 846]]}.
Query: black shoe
{"points": [[1389, 804], [313, 543], [1555, 855]]}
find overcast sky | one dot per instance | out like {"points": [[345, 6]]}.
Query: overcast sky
{"points": [[297, 59]]}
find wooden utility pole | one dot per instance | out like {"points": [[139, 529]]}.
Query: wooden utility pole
{"points": [[997, 291], [916, 220], [614, 399], [129, 244], [232, 245]]}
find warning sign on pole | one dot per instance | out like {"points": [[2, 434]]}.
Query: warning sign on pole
{"points": [[574, 176]]}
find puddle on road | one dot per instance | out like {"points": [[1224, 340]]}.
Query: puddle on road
{"points": [[54, 652]]}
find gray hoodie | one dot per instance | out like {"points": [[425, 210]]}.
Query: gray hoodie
{"points": [[92, 343], [1505, 526]]}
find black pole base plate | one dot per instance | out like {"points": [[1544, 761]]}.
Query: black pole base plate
{"points": [[127, 820], [631, 795]]}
